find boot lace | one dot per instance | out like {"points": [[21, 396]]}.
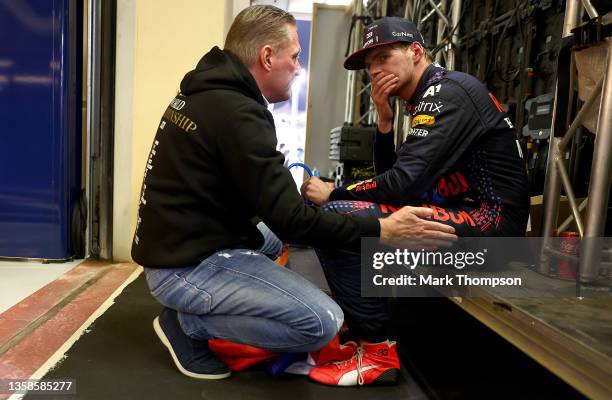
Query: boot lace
{"points": [[359, 355]]}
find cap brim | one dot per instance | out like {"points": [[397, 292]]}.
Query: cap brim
{"points": [[357, 60]]}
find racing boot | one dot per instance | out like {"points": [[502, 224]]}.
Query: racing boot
{"points": [[372, 363]]}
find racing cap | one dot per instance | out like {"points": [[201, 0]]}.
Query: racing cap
{"points": [[383, 31]]}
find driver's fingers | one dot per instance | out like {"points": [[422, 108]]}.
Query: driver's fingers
{"points": [[386, 89], [381, 80]]}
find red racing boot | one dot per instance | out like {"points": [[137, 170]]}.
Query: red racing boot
{"points": [[333, 351], [373, 363]]}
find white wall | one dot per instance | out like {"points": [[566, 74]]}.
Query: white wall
{"points": [[232, 8]]}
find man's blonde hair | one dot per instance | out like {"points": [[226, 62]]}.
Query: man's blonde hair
{"points": [[426, 52], [256, 26]]}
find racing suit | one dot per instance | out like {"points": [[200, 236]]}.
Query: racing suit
{"points": [[460, 158]]}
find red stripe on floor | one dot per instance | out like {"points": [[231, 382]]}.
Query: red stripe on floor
{"points": [[16, 318], [27, 356]]}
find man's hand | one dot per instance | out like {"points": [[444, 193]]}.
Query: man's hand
{"points": [[317, 191], [410, 222], [382, 86]]}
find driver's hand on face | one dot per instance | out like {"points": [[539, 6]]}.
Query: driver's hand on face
{"points": [[382, 85]]}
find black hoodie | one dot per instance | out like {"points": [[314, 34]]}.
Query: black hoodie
{"points": [[214, 169]]}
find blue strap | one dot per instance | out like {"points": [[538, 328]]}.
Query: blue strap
{"points": [[299, 164]]}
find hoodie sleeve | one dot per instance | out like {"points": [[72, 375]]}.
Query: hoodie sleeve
{"points": [[256, 168], [435, 143]]}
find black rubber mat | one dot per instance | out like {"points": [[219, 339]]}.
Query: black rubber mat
{"points": [[121, 358]]}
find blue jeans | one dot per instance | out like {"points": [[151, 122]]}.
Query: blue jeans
{"points": [[242, 296]]}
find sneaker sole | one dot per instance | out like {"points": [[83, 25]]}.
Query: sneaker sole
{"points": [[164, 339], [388, 377]]}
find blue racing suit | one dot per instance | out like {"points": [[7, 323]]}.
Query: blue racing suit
{"points": [[460, 158]]}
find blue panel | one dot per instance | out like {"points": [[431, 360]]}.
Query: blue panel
{"points": [[39, 116], [304, 38]]}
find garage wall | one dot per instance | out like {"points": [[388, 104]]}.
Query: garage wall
{"points": [[327, 84], [158, 41]]}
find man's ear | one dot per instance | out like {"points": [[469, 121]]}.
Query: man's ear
{"points": [[265, 57], [418, 51]]}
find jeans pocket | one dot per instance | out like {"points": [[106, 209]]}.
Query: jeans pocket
{"points": [[181, 295]]}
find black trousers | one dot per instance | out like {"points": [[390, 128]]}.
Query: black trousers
{"points": [[368, 317]]}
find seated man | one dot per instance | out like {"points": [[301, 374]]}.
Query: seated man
{"points": [[213, 170], [460, 159]]}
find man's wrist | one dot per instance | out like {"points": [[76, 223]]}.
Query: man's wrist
{"points": [[385, 127]]}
